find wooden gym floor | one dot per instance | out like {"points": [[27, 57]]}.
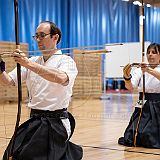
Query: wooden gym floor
{"points": [[99, 125]]}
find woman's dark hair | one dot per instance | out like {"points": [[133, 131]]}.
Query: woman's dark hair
{"points": [[155, 46], [54, 30]]}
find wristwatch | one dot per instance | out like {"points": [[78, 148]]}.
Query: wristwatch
{"points": [[128, 78]]}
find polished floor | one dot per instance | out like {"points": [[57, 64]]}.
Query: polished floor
{"points": [[100, 122]]}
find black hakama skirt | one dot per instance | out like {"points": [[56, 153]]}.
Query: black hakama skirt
{"points": [[43, 137], [149, 127]]}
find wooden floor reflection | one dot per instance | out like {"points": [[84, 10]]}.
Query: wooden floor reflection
{"points": [[99, 124]]}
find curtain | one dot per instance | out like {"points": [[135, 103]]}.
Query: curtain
{"points": [[31, 13], [6, 21], [95, 22], [152, 24], [83, 22]]}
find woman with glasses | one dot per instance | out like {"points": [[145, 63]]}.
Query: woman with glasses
{"points": [[50, 79], [144, 126]]}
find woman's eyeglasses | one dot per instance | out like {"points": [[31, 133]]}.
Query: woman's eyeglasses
{"points": [[40, 35]]}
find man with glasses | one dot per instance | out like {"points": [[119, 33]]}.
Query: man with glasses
{"points": [[49, 79]]}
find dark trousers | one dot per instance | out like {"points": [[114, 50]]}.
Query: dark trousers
{"points": [[43, 137]]}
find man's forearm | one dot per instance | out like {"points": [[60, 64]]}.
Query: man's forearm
{"points": [[128, 85], [53, 75], [5, 79]]}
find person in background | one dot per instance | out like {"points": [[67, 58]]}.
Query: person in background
{"points": [[49, 79], [148, 130]]}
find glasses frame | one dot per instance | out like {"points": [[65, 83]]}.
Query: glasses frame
{"points": [[40, 37]]}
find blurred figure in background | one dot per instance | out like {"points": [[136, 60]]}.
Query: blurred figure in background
{"points": [[148, 134]]}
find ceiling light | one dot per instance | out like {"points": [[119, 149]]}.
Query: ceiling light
{"points": [[137, 3], [148, 5]]}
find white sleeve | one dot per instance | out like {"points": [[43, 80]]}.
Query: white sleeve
{"points": [[68, 66], [13, 74], [136, 77]]}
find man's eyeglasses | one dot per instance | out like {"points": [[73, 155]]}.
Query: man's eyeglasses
{"points": [[40, 35]]}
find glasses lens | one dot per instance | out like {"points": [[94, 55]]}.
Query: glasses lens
{"points": [[40, 35]]}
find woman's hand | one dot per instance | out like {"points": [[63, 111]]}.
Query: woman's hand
{"points": [[144, 67], [127, 71]]}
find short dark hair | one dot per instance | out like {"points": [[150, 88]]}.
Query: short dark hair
{"points": [[155, 46], [54, 30]]}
